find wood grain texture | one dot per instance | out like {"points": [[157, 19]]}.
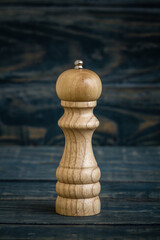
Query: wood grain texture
{"points": [[78, 85], [118, 164], [130, 195], [56, 3], [45, 190], [113, 212], [78, 175], [117, 39], [47, 232], [39, 43], [128, 116]]}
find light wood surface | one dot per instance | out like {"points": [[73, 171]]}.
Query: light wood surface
{"points": [[78, 175], [78, 85]]}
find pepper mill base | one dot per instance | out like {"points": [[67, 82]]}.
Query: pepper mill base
{"points": [[78, 207]]}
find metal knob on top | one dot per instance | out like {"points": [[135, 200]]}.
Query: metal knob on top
{"points": [[78, 64]]}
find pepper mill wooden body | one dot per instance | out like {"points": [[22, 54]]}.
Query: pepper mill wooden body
{"points": [[78, 175]]}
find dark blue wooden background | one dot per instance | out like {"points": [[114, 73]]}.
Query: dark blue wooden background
{"points": [[118, 39]]}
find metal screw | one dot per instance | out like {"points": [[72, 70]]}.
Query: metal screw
{"points": [[78, 64]]}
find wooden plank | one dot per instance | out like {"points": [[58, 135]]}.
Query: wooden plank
{"points": [[113, 212], [45, 190], [37, 44], [40, 40], [69, 232], [122, 164], [114, 3], [128, 115]]}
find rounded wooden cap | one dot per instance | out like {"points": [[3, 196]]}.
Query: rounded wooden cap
{"points": [[79, 84]]}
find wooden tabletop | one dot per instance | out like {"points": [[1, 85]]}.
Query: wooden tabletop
{"points": [[130, 195]]}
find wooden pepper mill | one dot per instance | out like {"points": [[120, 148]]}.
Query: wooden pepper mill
{"points": [[78, 175]]}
